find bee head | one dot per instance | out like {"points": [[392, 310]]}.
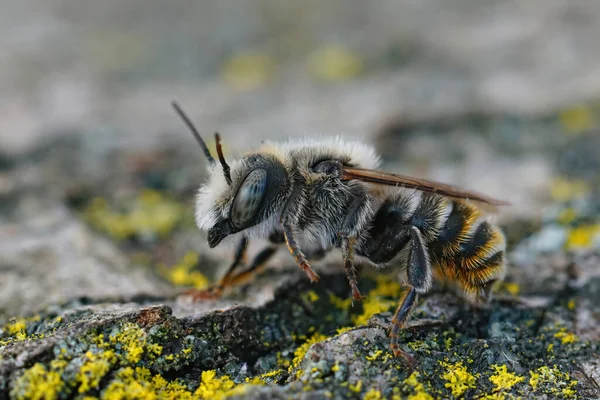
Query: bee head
{"points": [[257, 190], [239, 197]]}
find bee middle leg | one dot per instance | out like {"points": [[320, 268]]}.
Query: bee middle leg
{"points": [[419, 279]]}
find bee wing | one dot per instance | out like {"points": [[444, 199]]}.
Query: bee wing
{"points": [[384, 178]]}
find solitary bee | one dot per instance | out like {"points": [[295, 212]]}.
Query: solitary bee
{"points": [[323, 194]]}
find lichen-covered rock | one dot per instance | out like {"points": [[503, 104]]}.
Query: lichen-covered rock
{"points": [[309, 342]]}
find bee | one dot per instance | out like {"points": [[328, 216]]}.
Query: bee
{"points": [[316, 195]]}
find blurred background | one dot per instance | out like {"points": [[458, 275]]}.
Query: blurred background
{"points": [[97, 173]]}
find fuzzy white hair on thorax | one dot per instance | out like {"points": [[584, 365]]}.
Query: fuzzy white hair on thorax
{"points": [[214, 197], [361, 154]]}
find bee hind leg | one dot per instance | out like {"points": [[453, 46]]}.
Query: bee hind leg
{"points": [[419, 279], [402, 312]]}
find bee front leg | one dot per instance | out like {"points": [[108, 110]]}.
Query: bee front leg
{"points": [[357, 213], [289, 220], [348, 255], [258, 263], [293, 247], [419, 279], [215, 291]]}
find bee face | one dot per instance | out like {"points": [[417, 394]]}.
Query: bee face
{"points": [[258, 187]]}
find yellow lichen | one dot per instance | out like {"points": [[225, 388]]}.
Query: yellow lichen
{"points": [[37, 383], [571, 304], [132, 339], [16, 326], [336, 367], [211, 386], [418, 391], [375, 355], [381, 299], [565, 337], [271, 374], [371, 306], [458, 379], [155, 350], [151, 213], [387, 286], [126, 345], [94, 369], [300, 352], [504, 380], [577, 119], [183, 273], [312, 296], [565, 189], [17, 330], [373, 394], [582, 237], [343, 329], [357, 387], [511, 287], [138, 383], [420, 345], [339, 303], [550, 380]]}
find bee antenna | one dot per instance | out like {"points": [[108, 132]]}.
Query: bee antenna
{"points": [[226, 169], [195, 132]]}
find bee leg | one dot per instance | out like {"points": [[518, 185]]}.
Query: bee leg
{"points": [[348, 255], [258, 263], [418, 269], [402, 313], [419, 279], [297, 253], [215, 291], [348, 235]]}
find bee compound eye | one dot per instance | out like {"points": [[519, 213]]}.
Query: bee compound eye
{"points": [[248, 198]]}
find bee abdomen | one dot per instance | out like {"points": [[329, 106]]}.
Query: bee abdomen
{"points": [[469, 250]]}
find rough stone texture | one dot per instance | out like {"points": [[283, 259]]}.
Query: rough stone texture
{"points": [[64, 259], [458, 349]]}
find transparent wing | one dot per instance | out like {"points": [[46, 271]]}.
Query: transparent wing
{"points": [[424, 185]]}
